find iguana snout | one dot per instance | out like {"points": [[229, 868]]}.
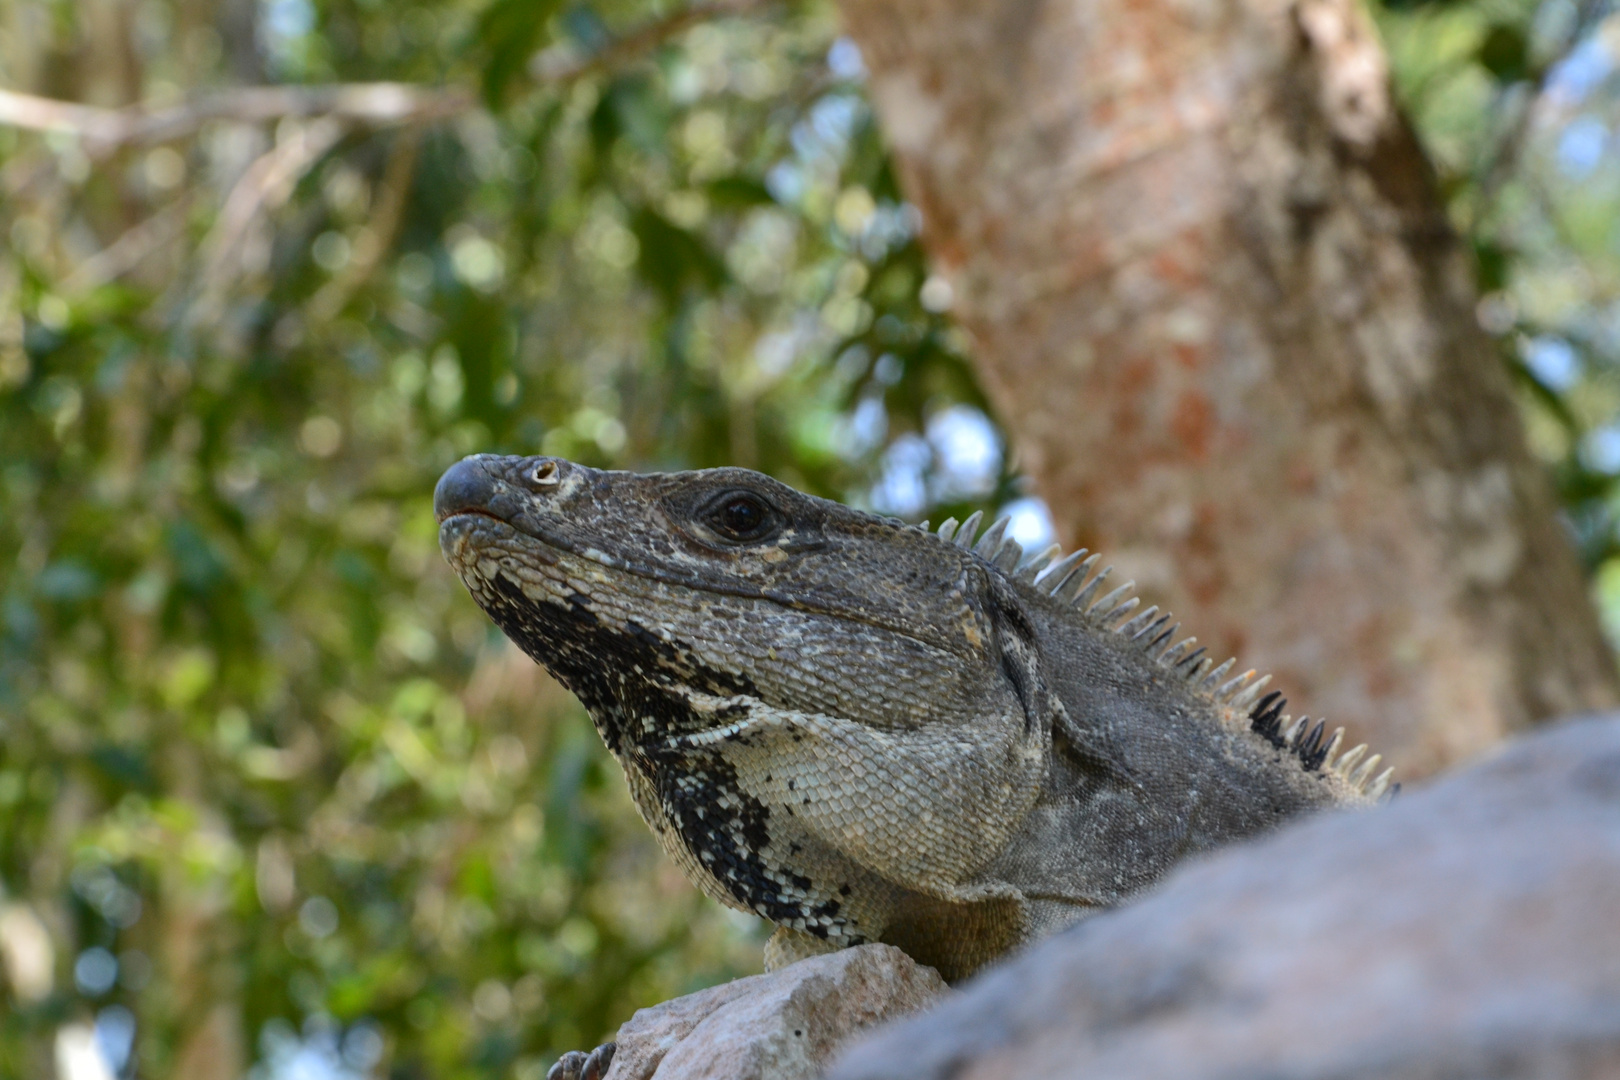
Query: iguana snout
{"points": [[466, 487], [515, 490]]}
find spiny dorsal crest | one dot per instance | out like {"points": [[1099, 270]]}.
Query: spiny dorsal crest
{"points": [[1070, 580]]}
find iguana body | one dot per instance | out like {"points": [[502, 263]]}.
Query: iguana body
{"points": [[862, 730]]}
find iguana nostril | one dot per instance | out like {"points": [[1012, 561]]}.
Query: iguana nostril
{"points": [[543, 474], [464, 486]]}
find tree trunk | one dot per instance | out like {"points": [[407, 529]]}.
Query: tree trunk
{"points": [[1216, 300]]}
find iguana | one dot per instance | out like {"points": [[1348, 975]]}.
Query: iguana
{"points": [[865, 730]]}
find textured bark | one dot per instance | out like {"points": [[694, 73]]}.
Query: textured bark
{"points": [[1217, 303]]}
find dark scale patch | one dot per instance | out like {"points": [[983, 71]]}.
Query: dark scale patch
{"points": [[596, 661], [1266, 718], [1266, 721], [1311, 749], [725, 829]]}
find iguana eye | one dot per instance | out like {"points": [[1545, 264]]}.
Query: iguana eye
{"points": [[741, 517]]}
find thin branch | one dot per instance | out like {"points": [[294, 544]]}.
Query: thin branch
{"points": [[130, 249], [389, 211], [266, 185], [1504, 159], [376, 104], [560, 64], [269, 181]]}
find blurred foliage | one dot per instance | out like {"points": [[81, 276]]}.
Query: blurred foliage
{"points": [[274, 794], [1516, 101], [267, 776]]}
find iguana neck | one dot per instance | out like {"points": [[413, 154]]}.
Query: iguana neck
{"points": [[1145, 770]]}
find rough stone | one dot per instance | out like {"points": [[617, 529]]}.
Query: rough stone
{"points": [[1471, 929], [780, 1026]]}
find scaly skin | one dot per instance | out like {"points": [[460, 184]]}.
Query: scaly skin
{"points": [[864, 731]]}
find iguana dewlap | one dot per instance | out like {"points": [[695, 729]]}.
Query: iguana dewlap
{"points": [[863, 730]]}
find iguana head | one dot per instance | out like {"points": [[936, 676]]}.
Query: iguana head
{"points": [[769, 667], [722, 580]]}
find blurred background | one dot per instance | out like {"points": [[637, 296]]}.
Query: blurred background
{"points": [[275, 798]]}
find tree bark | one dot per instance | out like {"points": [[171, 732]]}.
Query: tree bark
{"points": [[1218, 305]]}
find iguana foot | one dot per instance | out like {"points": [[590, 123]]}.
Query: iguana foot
{"points": [[577, 1066]]}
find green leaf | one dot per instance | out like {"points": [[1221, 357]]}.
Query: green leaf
{"points": [[737, 192], [1492, 263], [1505, 52], [509, 32], [672, 258]]}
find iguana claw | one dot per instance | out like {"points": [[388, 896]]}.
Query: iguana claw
{"points": [[575, 1065]]}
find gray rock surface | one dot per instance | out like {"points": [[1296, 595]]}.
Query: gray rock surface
{"points": [[1468, 930], [780, 1026]]}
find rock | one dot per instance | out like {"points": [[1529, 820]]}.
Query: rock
{"points": [[1471, 929], [780, 1026]]}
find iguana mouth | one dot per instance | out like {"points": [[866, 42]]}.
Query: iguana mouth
{"points": [[470, 513]]}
